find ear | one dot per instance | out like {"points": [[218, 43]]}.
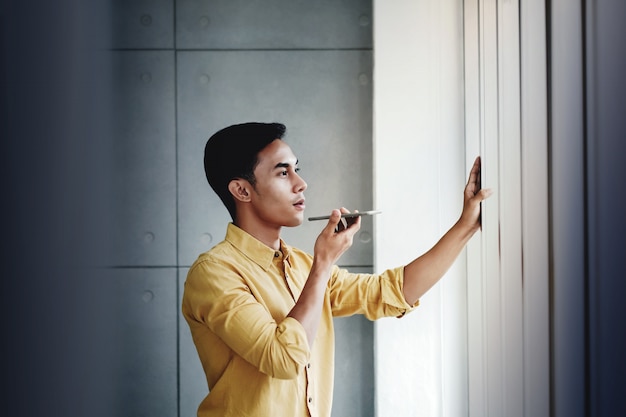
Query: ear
{"points": [[240, 189]]}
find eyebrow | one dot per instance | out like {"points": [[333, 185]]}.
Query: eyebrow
{"points": [[284, 164]]}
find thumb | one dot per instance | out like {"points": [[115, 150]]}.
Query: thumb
{"points": [[483, 194], [333, 221]]}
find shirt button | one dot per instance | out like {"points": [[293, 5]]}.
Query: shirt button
{"points": [[310, 400], [308, 365], [276, 254]]}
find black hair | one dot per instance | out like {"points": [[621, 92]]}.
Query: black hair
{"points": [[233, 153]]}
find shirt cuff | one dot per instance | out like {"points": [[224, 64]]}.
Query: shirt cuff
{"points": [[396, 279], [291, 334]]}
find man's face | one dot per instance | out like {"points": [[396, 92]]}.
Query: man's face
{"points": [[278, 195]]}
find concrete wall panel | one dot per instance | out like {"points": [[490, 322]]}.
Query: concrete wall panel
{"points": [[274, 24], [324, 98], [142, 24], [143, 154], [145, 378]]}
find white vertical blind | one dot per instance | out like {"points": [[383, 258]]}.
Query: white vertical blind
{"points": [[535, 224], [481, 344], [510, 202], [419, 175], [508, 300]]}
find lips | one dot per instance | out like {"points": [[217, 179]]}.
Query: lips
{"points": [[299, 203]]}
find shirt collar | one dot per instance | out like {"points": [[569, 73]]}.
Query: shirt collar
{"points": [[257, 251]]}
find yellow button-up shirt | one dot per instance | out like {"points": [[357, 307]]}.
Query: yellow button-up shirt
{"points": [[257, 360]]}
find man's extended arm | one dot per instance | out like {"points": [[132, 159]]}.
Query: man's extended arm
{"points": [[424, 272]]}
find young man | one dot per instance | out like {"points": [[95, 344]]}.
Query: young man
{"points": [[259, 310]]}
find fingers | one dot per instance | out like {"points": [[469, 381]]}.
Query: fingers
{"points": [[333, 221], [342, 225], [337, 224], [348, 223], [473, 196], [336, 237], [354, 221], [477, 163], [474, 176], [473, 181]]}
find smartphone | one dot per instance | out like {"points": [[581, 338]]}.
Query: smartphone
{"points": [[348, 215]]}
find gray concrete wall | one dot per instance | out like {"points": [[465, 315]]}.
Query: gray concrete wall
{"points": [[181, 71]]}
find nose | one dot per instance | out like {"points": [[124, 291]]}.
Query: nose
{"points": [[300, 184]]}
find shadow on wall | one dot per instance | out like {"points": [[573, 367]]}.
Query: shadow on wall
{"points": [[55, 308]]}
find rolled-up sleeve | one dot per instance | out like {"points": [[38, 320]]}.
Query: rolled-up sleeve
{"points": [[218, 300], [373, 295]]}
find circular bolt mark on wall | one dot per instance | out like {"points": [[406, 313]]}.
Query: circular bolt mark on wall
{"points": [[148, 237], [146, 20], [147, 296]]}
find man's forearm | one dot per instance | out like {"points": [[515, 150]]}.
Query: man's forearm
{"points": [[308, 308], [424, 272]]}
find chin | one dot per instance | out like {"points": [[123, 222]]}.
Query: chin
{"points": [[294, 222]]}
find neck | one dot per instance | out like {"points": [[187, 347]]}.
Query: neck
{"points": [[270, 236]]}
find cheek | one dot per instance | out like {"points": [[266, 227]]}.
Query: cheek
{"points": [[273, 196], [278, 200]]}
